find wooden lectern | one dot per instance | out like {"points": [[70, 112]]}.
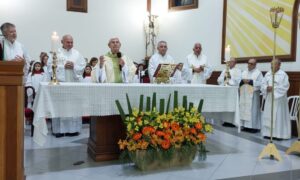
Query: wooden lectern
{"points": [[11, 120]]}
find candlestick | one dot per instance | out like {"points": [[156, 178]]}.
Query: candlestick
{"points": [[227, 53], [54, 41]]}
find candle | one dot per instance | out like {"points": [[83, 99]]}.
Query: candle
{"points": [[54, 41], [227, 53]]}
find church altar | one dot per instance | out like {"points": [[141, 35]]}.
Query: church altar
{"points": [[87, 99]]}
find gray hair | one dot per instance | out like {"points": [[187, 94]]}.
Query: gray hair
{"points": [[5, 26], [160, 42]]}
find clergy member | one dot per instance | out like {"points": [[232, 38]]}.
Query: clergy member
{"points": [[281, 120], [235, 74], [114, 66], [70, 67], [197, 66], [250, 97], [13, 50]]}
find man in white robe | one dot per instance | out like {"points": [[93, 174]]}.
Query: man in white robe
{"points": [[281, 121], [114, 66], [161, 57], [197, 66], [250, 97], [70, 67], [235, 74], [12, 50]]}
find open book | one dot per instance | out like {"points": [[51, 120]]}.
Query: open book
{"points": [[163, 72]]}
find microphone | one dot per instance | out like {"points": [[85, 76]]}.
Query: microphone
{"points": [[119, 55]]}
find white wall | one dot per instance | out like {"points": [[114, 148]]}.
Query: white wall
{"points": [[36, 19]]}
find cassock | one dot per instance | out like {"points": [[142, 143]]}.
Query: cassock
{"points": [[250, 99], [193, 61], [281, 120], [11, 50], [112, 72], [236, 75], [68, 124]]}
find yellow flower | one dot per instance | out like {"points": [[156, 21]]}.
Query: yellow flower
{"points": [[129, 127], [208, 128]]}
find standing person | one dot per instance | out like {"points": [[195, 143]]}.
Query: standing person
{"points": [[250, 97], [70, 67], [114, 66], [44, 61], [34, 78], [160, 57], [235, 74], [12, 50], [197, 66], [281, 120]]}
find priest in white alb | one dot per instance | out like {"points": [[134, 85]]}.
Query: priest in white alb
{"points": [[235, 74], [197, 66], [281, 120], [250, 97], [114, 66], [70, 68]]}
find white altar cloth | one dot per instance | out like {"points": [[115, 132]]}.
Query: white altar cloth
{"points": [[82, 99]]}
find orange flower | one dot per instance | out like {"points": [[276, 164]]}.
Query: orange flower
{"points": [[201, 136], [167, 136], [166, 124], [193, 131], [137, 136], [147, 130], [138, 119], [122, 144], [198, 125], [175, 126], [159, 133], [165, 144]]}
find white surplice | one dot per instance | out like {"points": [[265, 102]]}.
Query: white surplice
{"points": [[157, 59], [12, 50], [68, 124], [250, 99], [281, 120], [236, 75], [193, 61]]}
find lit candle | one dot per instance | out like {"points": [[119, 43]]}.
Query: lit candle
{"points": [[227, 53], [54, 41]]}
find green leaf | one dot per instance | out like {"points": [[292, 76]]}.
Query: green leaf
{"points": [[184, 102], [148, 104], [168, 104], [191, 105], [154, 101], [129, 105], [161, 106], [122, 114], [141, 103], [175, 99], [200, 106]]}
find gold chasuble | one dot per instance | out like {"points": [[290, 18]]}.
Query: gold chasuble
{"points": [[112, 68]]}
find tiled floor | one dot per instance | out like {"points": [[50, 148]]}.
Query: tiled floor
{"points": [[231, 155]]}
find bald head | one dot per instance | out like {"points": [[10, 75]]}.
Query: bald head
{"points": [[275, 64], [251, 64], [67, 42], [114, 44]]}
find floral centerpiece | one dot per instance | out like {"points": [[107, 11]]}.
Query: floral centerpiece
{"points": [[158, 139]]}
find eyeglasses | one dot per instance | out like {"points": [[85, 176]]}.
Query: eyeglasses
{"points": [[251, 63]]}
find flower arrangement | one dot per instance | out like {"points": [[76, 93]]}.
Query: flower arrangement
{"points": [[181, 132]]}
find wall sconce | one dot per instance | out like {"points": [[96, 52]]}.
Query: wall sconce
{"points": [[151, 31]]}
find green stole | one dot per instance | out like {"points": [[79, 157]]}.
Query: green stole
{"points": [[116, 67]]}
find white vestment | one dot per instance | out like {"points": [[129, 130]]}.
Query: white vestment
{"points": [[12, 50], [250, 99], [281, 120], [236, 75], [68, 124], [106, 74], [193, 61], [157, 59]]}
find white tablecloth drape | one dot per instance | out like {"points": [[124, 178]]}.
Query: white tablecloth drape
{"points": [[81, 99]]}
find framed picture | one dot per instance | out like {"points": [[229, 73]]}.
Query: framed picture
{"points": [[77, 5], [248, 30], [177, 5]]}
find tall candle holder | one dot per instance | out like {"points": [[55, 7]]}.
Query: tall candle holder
{"points": [[296, 145], [227, 69], [270, 150], [54, 80]]}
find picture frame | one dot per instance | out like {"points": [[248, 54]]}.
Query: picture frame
{"points": [[247, 29], [178, 5], [77, 5]]}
